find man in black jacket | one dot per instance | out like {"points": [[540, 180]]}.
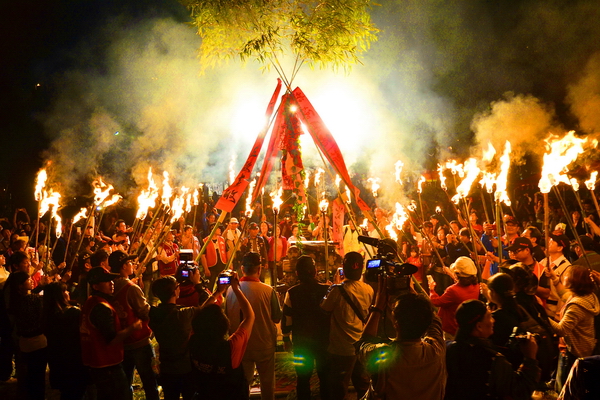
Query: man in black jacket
{"points": [[309, 327]]}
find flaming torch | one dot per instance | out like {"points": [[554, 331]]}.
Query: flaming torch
{"points": [[419, 191], [562, 153], [398, 166], [323, 206], [374, 185], [277, 202], [40, 183], [591, 185], [78, 217]]}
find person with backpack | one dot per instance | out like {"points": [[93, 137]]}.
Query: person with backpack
{"points": [[348, 304]]}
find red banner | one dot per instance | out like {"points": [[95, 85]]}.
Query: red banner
{"points": [[232, 195], [338, 211], [325, 141], [291, 158]]}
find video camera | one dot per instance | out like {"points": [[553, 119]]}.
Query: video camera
{"points": [[186, 266], [397, 275]]}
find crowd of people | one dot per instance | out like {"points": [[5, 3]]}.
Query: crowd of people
{"points": [[456, 308]]}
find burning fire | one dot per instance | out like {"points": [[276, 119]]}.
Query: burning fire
{"points": [[399, 164], [501, 181], [80, 215], [113, 200], [562, 153], [147, 198], [591, 183], [101, 191], [438, 209], [249, 209], [324, 204], [276, 197], [420, 183], [40, 183], [365, 224], [177, 207], [320, 171], [488, 155], [472, 171], [337, 180], [167, 190], [455, 168], [374, 185], [306, 178], [440, 170]]}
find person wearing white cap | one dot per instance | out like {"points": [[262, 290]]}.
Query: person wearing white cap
{"points": [[231, 235], [466, 287]]}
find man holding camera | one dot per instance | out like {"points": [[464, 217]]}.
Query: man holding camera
{"points": [[349, 305], [260, 351], [412, 364]]}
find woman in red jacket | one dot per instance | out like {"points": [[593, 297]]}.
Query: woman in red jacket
{"points": [[466, 287]]}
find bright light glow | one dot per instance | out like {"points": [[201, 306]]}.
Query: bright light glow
{"points": [[591, 183], [562, 153]]}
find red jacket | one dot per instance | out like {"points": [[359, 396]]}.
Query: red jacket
{"points": [[127, 317], [168, 268], [449, 302], [95, 352], [211, 252]]}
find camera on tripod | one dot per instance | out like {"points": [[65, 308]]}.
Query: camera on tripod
{"points": [[397, 276], [186, 266]]}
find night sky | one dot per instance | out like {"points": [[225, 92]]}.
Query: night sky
{"points": [[446, 73]]}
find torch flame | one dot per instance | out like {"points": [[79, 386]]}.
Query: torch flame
{"points": [[101, 191], [167, 190], [440, 170], [320, 171], [232, 169], [324, 204], [591, 183], [306, 178], [574, 183], [337, 180], [113, 200], [374, 185], [348, 197], [472, 170], [455, 168], [249, 210], [438, 209], [177, 207], [195, 197], [147, 198], [399, 217], [392, 232], [488, 155], [365, 224], [420, 184], [276, 197], [40, 183], [488, 180], [80, 215], [562, 153], [399, 164], [501, 181]]}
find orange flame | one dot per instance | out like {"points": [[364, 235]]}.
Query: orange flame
{"points": [[249, 209], [487, 181], [399, 217], [337, 180], [374, 185], [232, 169], [591, 183], [101, 191], [562, 153], [348, 197], [420, 184], [365, 224], [306, 178], [574, 183], [195, 196], [324, 204], [320, 171], [438, 209], [488, 155], [40, 183], [399, 164], [147, 198], [113, 200], [167, 190], [80, 215], [455, 168], [501, 182], [276, 197], [472, 170], [440, 170]]}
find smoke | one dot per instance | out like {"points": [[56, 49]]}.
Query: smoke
{"points": [[443, 77], [522, 120], [584, 97]]}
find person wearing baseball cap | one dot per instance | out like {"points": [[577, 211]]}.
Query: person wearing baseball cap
{"points": [[557, 261], [512, 226], [132, 305], [465, 288], [102, 337], [590, 252], [522, 250]]}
